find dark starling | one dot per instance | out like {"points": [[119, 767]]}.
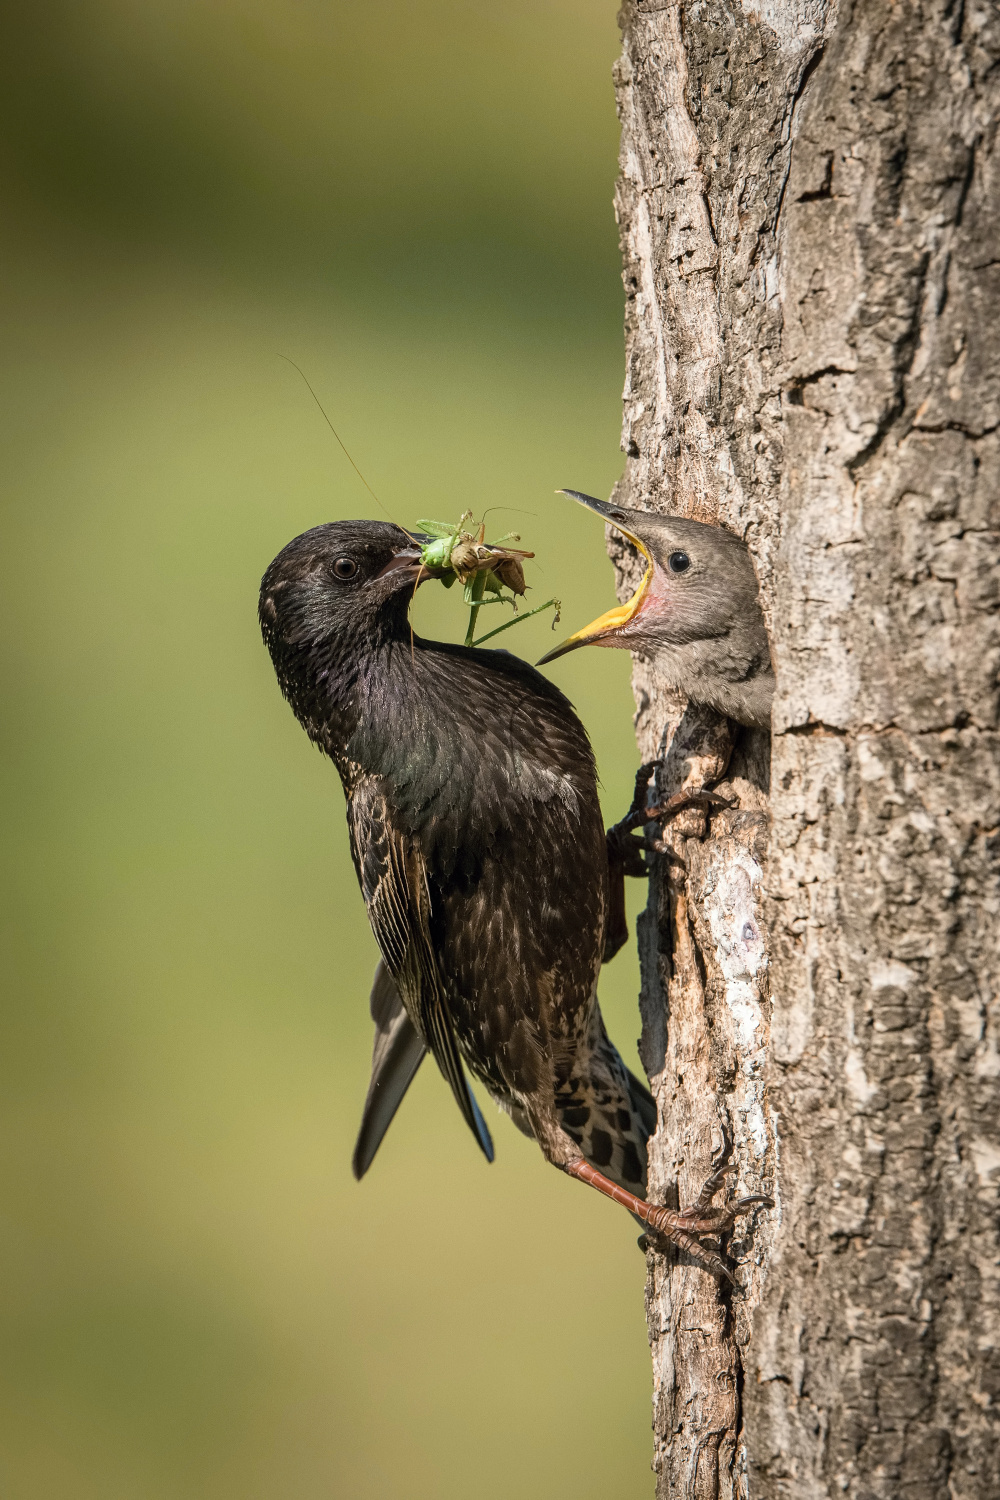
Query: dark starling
{"points": [[477, 837], [696, 613]]}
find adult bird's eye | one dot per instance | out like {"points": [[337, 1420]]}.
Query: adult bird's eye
{"points": [[678, 562], [345, 567]]}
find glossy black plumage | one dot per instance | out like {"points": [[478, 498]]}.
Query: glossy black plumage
{"points": [[477, 836]]}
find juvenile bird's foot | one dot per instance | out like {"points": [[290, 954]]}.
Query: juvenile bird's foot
{"points": [[683, 1227], [641, 813]]}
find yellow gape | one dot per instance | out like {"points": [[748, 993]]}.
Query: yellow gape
{"points": [[612, 619]]}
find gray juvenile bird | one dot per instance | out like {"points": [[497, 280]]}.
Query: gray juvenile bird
{"points": [[696, 612], [478, 841]]}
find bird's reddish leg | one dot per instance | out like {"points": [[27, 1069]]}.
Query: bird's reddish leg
{"points": [[680, 1226]]}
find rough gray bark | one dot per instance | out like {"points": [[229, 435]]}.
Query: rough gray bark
{"points": [[809, 202]]}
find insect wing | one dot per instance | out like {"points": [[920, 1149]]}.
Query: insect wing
{"points": [[509, 571]]}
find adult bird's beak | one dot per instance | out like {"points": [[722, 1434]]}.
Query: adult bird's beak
{"points": [[405, 566], [616, 619]]}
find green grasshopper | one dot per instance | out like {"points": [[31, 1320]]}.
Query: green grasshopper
{"points": [[481, 567]]}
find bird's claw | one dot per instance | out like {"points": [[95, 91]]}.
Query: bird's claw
{"points": [[681, 801], [685, 1227], [636, 815], [640, 813]]}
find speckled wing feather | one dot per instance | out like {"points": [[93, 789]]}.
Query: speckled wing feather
{"points": [[393, 880]]}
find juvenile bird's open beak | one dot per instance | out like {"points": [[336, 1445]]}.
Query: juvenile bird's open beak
{"points": [[614, 619]]}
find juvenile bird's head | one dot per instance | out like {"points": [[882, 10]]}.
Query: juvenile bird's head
{"points": [[696, 612]]}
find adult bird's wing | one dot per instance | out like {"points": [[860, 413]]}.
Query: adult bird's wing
{"points": [[394, 884], [396, 1055]]}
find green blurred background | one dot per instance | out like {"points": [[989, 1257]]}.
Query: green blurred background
{"points": [[413, 201]]}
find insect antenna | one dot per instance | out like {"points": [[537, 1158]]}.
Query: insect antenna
{"points": [[340, 440], [515, 510]]}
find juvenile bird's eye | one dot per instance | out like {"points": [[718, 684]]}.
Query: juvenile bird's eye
{"points": [[345, 567], [678, 562]]}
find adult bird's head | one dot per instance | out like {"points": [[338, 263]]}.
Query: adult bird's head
{"points": [[696, 612], [345, 581], [329, 603]]}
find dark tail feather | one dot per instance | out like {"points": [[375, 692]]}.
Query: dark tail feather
{"points": [[482, 1129], [441, 1036], [396, 1056]]}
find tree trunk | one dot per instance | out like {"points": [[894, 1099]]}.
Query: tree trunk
{"points": [[809, 203]]}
